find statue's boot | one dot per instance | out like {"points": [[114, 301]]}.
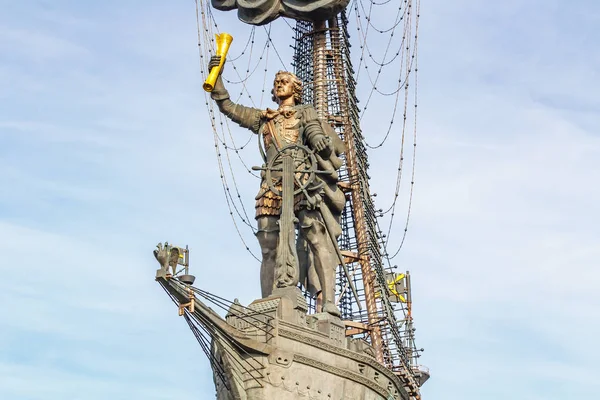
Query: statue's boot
{"points": [[331, 309]]}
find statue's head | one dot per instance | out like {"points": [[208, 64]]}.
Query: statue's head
{"points": [[286, 84]]}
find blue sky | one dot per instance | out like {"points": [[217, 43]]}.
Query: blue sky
{"points": [[105, 150]]}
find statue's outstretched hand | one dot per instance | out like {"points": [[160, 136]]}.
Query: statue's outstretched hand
{"points": [[322, 144], [214, 62]]}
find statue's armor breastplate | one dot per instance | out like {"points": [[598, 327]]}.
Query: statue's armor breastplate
{"points": [[290, 130], [287, 130]]}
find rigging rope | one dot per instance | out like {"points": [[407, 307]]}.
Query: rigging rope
{"points": [[404, 59], [412, 181], [205, 43], [414, 59]]}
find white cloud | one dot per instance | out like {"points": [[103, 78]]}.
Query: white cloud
{"points": [[39, 47]]}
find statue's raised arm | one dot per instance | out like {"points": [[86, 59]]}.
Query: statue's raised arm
{"points": [[246, 117]]}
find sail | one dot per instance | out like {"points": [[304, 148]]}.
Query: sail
{"points": [[261, 12]]}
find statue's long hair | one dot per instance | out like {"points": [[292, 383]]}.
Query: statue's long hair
{"points": [[297, 87]]}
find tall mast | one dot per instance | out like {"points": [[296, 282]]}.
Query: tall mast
{"points": [[330, 87], [322, 61]]}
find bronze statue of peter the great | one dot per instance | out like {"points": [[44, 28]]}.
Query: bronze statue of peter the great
{"points": [[295, 129]]}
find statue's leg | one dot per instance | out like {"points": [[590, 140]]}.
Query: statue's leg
{"points": [[308, 276], [314, 231], [268, 233], [303, 260]]}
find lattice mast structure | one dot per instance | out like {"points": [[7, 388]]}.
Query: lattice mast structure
{"points": [[322, 61]]}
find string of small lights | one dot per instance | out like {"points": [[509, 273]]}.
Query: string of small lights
{"points": [[405, 56], [205, 45], [412, 180], [250, 41]]}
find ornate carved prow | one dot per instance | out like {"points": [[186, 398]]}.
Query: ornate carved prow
{"points": [[169, 257]]}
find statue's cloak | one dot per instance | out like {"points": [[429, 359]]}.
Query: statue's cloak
{"points": [[260, 12]]}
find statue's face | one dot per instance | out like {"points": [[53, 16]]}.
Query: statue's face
{"points": [[283, 87]]}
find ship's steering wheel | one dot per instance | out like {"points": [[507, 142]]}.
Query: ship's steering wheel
{"points": [[305, 167]]}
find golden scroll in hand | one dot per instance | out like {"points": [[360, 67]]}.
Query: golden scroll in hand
{"points": [[223, 42]]}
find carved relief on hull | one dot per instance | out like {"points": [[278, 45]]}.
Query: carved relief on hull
{"points": [[310, 359]]}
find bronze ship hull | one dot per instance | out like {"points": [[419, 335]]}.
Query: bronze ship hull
{"points": [[273, 349]]}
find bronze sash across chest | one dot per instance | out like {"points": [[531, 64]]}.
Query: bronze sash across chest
{"points": [[267, 202]]}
